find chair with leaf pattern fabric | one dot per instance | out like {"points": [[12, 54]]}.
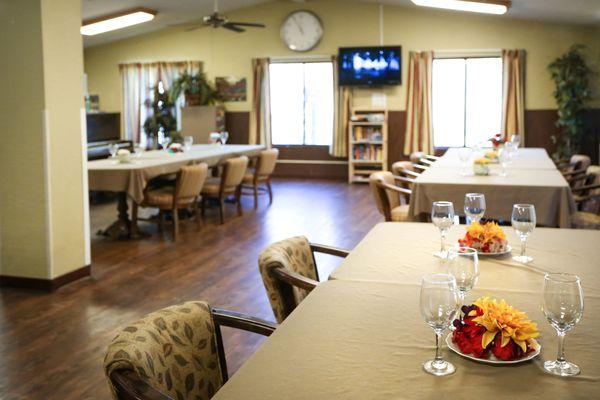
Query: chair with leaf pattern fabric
{"points": [[289, 272], [174, 353]]}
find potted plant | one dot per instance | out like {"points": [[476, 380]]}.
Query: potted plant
{"points": [[571, 76], [198, 91]]}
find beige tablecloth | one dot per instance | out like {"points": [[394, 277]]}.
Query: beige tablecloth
{"points": [[110, 175], [366, 340], [545, 188]]}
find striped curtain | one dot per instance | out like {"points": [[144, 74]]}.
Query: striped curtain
{"points": [[342, 102], [513, 93], [260, 114], [419, 132]]}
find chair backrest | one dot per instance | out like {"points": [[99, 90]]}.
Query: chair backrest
{"points": [[190, 181], [174, 350], [233, 172], [384, 200], [266, 162], [416, 156], [580, 161], [399, 167], [295, 255]]}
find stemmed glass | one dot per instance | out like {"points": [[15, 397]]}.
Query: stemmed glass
{"points": [[463, 265], [188, 141], [439, 305], [165, 141], [516, 141], [442, 216], [224, 137], [113, 148], [563, 308], [474, 207], [523, 221], [464, 154], [138, 149]]}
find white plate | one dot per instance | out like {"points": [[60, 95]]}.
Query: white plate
{"points": [[492, 360], [508, 250]]}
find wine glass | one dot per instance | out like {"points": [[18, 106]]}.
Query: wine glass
{"points": [[463, 265], [188, 141], [138, 149], [515, 140], [224, 137], [166, 140], [464, 154], [523, 221], [505, 156], [442, 216], [439, 305], [474, 207], [113, 148], [563, 308]]}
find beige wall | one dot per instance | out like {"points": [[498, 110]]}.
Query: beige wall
{"points": [[42, 202], [346, 23]]}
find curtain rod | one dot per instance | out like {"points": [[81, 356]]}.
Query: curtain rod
{"points": [[452, 53], [304, 58]]}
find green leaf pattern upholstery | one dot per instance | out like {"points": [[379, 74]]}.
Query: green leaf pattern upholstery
{"points": [[174, 350], [293, 254]]}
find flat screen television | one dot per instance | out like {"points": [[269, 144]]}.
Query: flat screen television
{"points": [[370, 66]]}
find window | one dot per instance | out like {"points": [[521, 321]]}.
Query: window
{"points": [[301, 103], [467, 100]]}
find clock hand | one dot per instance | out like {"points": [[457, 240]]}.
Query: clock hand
{"points": [[299, 26]]}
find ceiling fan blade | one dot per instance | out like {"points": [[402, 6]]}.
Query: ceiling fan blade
{"points": [[232, 27], [248, 24]]}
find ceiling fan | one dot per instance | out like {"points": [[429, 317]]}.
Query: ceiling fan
{"points": [[220, 21]]}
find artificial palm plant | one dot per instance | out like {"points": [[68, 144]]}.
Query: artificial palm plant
{"points": [[197, 89]]}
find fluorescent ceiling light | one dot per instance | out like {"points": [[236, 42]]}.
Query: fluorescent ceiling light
{"points": [[117, 21], [489, 7]]}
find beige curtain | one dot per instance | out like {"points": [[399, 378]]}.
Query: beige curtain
{"points": [[138, 79], [419, 132], [513, 93], [260, 115], [342, 103]]}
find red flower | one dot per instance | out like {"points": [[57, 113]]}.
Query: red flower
{"points": [[468, 335], [509, 352]]}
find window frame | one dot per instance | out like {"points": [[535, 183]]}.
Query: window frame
{"points": [[304, 60], [461, 54]]}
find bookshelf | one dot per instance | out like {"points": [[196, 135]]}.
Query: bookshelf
{"points": [[367, 143]]}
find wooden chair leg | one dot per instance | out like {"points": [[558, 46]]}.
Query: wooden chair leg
{"points": [[175, 223], [196, 214], [238, 199], [221, 209], [134, 220], [161, 220], [270, 190], [203, 205], [255, 187]]}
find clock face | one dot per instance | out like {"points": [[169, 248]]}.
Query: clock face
{"points": [[301, 31]]}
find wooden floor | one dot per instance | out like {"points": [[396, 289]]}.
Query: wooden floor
{"points": [[52, 344]]}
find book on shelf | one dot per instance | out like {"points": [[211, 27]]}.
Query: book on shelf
{"points": [[367, 133], [367, 153]]}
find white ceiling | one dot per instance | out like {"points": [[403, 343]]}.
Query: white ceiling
{"points": [[182, 11]]}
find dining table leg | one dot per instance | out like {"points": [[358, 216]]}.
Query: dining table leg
{"points": [[121, 228]]}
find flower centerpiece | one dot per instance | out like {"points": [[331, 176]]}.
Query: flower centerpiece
{"points": [[497, 141], [491, 327], [176, 148], [124, 156], [485, 238], [481, 166]]}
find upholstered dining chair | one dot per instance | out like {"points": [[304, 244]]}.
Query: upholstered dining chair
{"points": [[405, 168], [587, 199], [261, 173], [174, 353], [421, 158], [289, 272], [229, 183], [391, 200], [575, 168], [183, 195]]}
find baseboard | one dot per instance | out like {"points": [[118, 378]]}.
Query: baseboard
{"points": [[45, 284]]}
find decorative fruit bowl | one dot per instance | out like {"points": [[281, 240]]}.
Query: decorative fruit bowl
{"points": [[494, 332], [487, 238]]}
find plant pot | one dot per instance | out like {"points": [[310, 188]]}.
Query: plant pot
{"points": [[193, 99]]}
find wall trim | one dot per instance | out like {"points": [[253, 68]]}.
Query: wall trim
{"points": [[280, 161], [45, 284]]}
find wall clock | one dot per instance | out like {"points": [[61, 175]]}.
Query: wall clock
{"points": [[302, 30]]}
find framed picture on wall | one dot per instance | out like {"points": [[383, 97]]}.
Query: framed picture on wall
{"points": [[231, 88]]}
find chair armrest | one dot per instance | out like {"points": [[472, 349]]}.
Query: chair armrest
{"points": [[432, 157], [334, 251], [294, 278], [419, 166], [130, 386], [577, 178], [403, 179], [411, 173], [242, 321], [426, 161], [585, 188], [570, 173], [394, 188]]}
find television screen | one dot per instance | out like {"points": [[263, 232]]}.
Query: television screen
{"points": [[370, 65]]}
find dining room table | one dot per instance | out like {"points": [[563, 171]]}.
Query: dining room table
{"points": [[360, 334], [129, 179], [531, 178]]}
